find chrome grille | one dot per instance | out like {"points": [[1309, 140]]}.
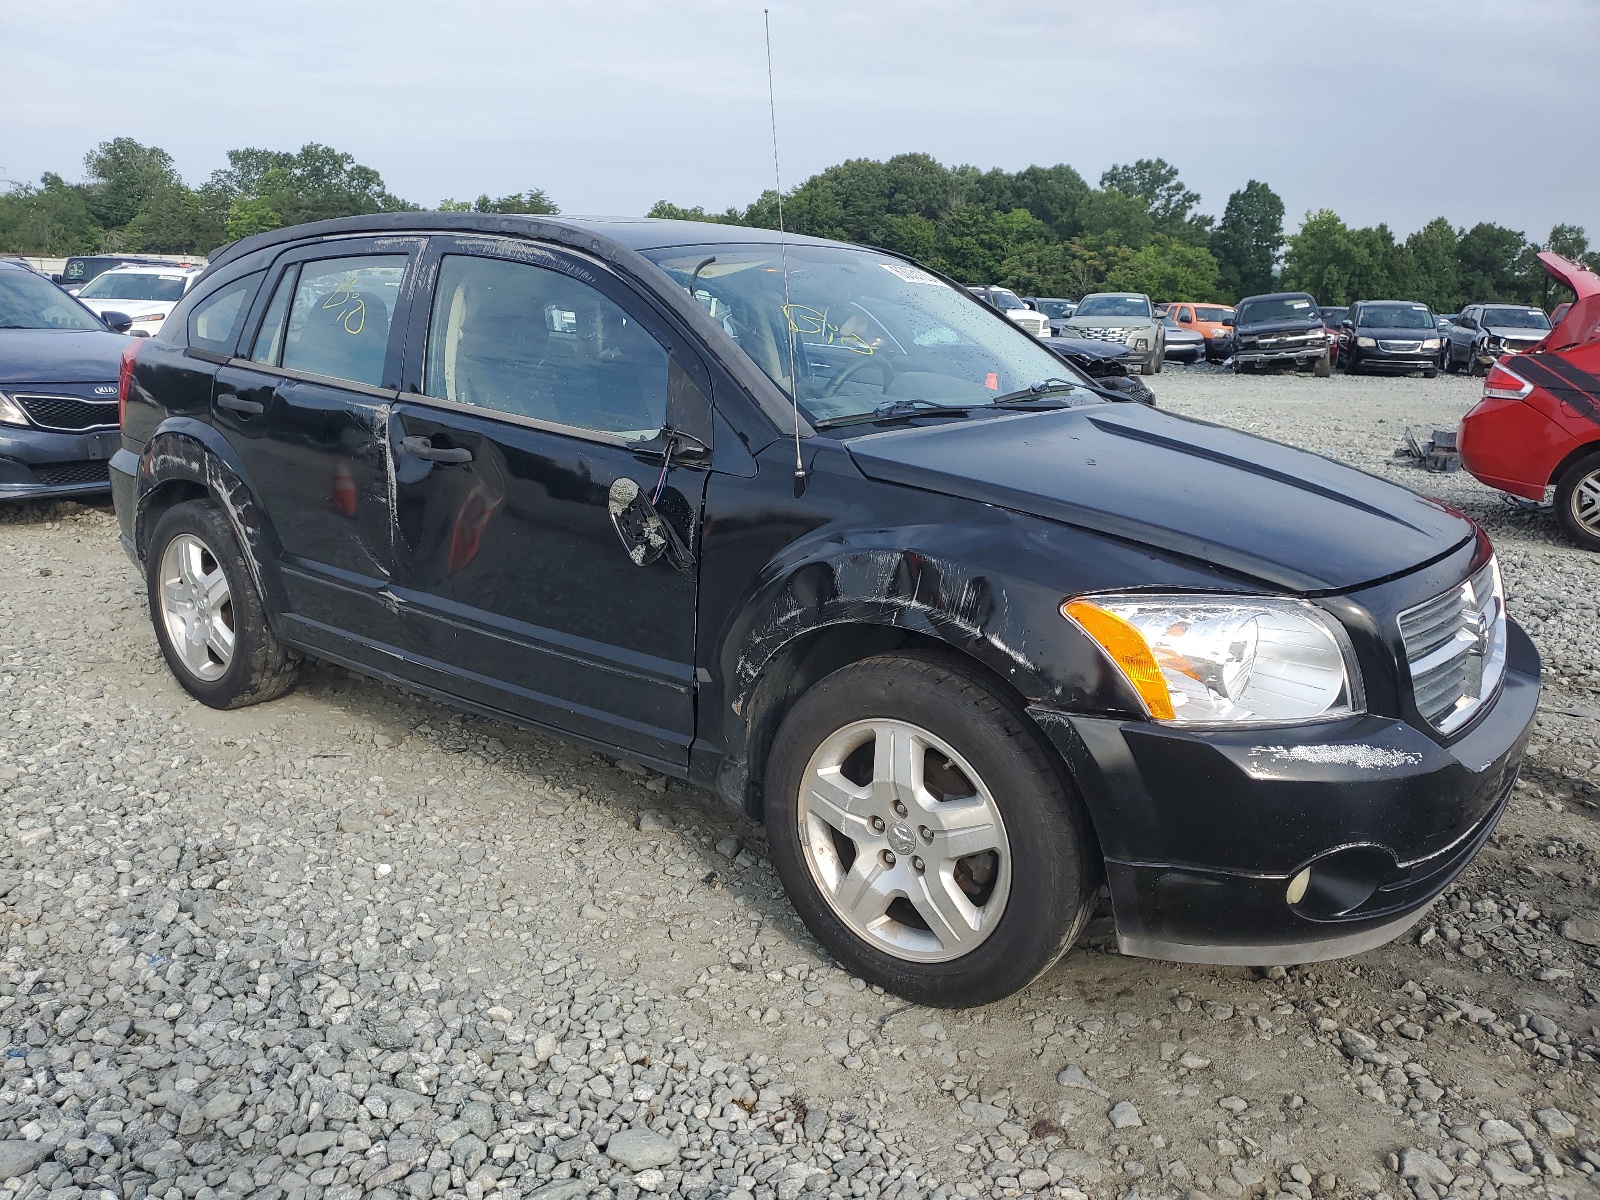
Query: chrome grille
{"points": [[1112, 334], [1401, 347], [1035, 323], [1456, 649], [68, 414]]}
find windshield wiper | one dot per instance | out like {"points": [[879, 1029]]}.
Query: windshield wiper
{"points": [[894, 409], [1038, 391]]}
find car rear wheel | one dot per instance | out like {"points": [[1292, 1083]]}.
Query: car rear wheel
{"points": [[208, 617], [924, 834], [1578, 501]]}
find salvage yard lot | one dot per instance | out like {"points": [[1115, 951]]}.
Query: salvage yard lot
{"points": [[351, 943]]}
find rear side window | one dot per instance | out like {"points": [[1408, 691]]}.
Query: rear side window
{"points": [[531, 342], [269, 340], [214, 323], [339, 317]]}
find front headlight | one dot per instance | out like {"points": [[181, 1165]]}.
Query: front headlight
{"points": [[1225, 659], [1139, 343], [11, 412], [1430, 343], [1366, 343], [151, 317]]}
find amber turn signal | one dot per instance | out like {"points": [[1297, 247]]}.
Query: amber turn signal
{"points": [[1127, 648]]}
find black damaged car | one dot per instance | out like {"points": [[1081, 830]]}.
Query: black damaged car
{"points": [[1281, 329], [816, 529]]}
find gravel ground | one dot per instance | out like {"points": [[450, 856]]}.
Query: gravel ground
{"points": [[352, 944]]}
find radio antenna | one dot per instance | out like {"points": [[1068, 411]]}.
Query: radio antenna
{"points": [[783, 253]]}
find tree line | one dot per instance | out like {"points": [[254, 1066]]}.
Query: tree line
{"points": [[1041, 231]]}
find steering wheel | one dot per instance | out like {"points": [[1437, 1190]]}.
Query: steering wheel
{"points": [[854, 369]]}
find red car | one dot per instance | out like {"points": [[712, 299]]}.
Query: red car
{"points": [[1538, 424]]}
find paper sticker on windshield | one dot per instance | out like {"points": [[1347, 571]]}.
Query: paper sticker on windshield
{"points": [[1299, 304], [911, 274]]}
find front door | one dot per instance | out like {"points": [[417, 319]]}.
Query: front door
{"points": [[546, 534], [307, 407]]}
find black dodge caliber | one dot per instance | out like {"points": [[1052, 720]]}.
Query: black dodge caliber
{"points": [[810, 526]]}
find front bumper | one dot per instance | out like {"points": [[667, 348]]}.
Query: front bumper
{"points": [[40, 464], [1379, 359], [1203, 831], [1299, 355]]}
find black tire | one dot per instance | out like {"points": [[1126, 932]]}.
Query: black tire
{"points": [[1585, 471], [1054, 869], [1450, 358], [1430, 373], [260, 668], [1150, 367], [1472, 362], [1351, 365], [1323, 367]]}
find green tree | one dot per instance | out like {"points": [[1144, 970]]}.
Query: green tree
{"points": [[313, 184], [1572, 243], [1437, 267], [534, 202], [668, 211], [1248, 240], [124, 177], [1497, 264], [1165, 269], [52, 218], [1170, 204], [174, 220]]}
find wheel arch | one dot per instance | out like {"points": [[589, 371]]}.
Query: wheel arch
{"points": [[187, 459], [1579, 452]]}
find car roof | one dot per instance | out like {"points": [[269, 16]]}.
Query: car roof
{"points": [[154, 268], [597, 234], [1281, 296], [1129, 295]]}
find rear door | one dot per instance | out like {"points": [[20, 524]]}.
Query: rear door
{"points": [[306, 407], [546, 545]]}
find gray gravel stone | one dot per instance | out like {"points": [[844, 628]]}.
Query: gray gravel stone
{"points": [[639, 1149]]}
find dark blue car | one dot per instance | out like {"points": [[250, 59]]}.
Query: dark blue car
{"points": [[58, 389]]}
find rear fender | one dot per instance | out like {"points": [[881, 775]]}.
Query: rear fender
{"points": [[186, 451]]}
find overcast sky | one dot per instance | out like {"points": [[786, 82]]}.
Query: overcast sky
{"points": [[1382, 111]]}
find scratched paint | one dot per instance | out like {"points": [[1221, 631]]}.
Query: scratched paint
{"points": [[1365, 758]]}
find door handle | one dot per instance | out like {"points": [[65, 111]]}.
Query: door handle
{"points": [[421, 447], [250, 408]]}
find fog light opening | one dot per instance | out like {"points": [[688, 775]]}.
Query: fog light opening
{"points": [[1298, 886]]}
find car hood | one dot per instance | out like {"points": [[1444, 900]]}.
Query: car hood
{"points": [[1284, 517], [132, 308], [1108, 322], [59, 355], [1267, 328], [1390, 334], [1086, 347], [1177, 333], [1517, 333]]}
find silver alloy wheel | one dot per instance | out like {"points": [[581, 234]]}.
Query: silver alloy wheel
{"points": [[904, 840], [197, 607], [1585, 503]]}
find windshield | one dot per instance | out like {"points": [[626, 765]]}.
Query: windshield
{"points": [[1515, 318], [1005, 301], [1278, 308], [1205, 312], [29, 301], [1332, 316], [1054, 309], [133, 285], [1114, 306], [1396, 316], [867, 329]]}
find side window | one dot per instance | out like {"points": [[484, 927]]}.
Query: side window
{"points": [[214, 322], [339, 317], [531, 342], [1186, 315], [269, 338]]}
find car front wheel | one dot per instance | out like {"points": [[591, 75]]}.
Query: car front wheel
{"points": [[924, 834], [207, 614], [1578, 501]]}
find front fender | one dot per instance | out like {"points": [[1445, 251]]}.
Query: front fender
{"points": [[184, 450], [844, 593], [890, 578]]}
